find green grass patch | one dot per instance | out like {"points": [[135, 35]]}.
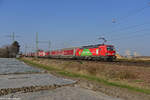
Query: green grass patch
{"points": [[138, 81], [93, 78], [88, 77]]}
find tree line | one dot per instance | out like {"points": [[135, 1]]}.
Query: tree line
{"points": [[10, 51]]}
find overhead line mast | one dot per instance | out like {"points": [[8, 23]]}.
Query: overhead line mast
{"points": [[37, 44], [13, 36]]}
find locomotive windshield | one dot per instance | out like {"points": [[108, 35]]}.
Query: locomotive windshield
{"points": [[110, 48]]}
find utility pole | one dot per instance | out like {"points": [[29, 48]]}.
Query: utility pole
{"points": [[49, 47], [26, 49], [37, 43], [12, 36], [47, 42]]}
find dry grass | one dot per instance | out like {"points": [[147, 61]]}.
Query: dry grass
{"points": [[127, 74]]}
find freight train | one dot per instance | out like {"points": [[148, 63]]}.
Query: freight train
{"points": [[91, 52]]}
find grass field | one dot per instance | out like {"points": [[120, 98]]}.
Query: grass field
{"points": [[118, 76]]}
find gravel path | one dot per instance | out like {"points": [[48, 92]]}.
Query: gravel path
{"points": [[9, 66], [63, 93], [27, 80]]}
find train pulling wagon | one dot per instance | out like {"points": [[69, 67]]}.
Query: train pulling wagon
{"points": [[97, 52], [91, 52]]}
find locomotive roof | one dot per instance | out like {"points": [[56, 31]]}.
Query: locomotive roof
{"points": [[93, 46], [89, 46], [69, 48]]}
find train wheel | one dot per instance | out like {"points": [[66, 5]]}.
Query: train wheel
{"points": [[110, 59]]}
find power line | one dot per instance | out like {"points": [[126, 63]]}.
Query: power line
{"points": [[128, 27], [134, 36], [114, 20], [117, 32], [28, 47], [134, 32], [47, 42], [37, 43], [13, 36]]}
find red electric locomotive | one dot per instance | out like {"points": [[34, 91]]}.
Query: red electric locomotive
{"points": [[97, 52]]}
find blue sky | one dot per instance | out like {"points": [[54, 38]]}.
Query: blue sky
{"points": [[77, 22]]}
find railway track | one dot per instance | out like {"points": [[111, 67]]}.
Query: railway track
{"points": [[131, 63], [116, 62]]}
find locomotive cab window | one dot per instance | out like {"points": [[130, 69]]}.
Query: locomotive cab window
{"points": [[110, 48]]}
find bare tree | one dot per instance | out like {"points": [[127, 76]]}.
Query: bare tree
{"points": [[10, 51]]}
